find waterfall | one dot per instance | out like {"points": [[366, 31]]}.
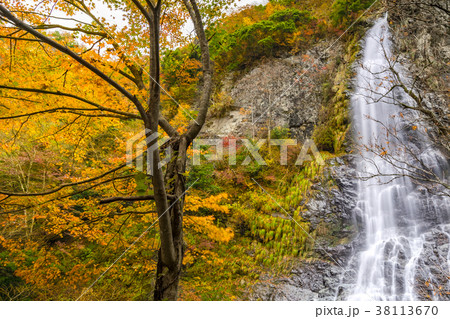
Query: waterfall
{"points": [[405, 228]]}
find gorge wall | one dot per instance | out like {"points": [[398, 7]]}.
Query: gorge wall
{"points": [[269, 96]]}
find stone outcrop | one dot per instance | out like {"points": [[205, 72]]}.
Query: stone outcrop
{"points": [[330, 210], [421, 31], [276, 93]]}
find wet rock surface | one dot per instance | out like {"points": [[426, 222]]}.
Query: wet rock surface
{"points": [[315, 280], [432, 271], [330, 209]]}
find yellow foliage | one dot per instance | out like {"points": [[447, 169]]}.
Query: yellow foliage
{"points": [[212, 203], [182, 118], [205, 225]]}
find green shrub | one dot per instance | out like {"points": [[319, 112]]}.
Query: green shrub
{"points": [[278, 133], [266, 38], [8, 280], [203, 177], [222, 104], [291, 15], [253, 169], [324, 138], [343, 11]]}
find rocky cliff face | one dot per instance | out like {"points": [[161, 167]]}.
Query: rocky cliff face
{"points": [[330, 212], [421, 32], [276, 93]]}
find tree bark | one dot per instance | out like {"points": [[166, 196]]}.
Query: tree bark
{"points": [[169, 255], [168, 275], [167, 278]]}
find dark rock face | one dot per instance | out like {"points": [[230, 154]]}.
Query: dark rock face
{"points": [[330, 209], [432, 271], [334, 206], [310, 281], [422, 44], [270, 93]]}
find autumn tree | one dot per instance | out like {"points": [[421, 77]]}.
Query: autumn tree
{"points": [[115, 73], [344, 12]]}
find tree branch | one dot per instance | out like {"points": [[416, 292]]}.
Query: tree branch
{"points": [[21, 25], [205, 99], [62, 186], [19, 39], [58, 26], [144, 12], [131, 199], [58, 93]]}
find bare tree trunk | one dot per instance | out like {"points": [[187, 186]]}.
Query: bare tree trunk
{"points": [[170, 226], [168, 274], [167, 278]]}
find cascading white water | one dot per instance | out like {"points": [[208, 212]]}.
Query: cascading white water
{"points": [[393, 213]]}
